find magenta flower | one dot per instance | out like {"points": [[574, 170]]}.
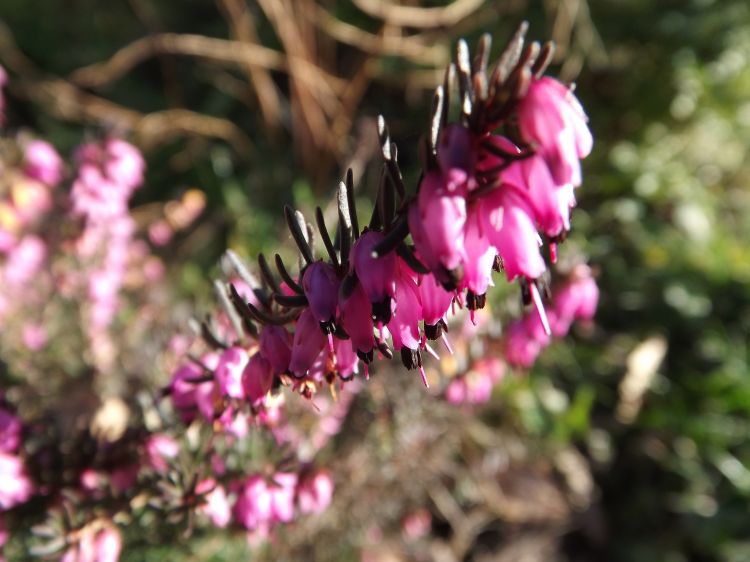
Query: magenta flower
{"points": [[551, 117], [229, 371], [43, 163], [215, 504], [160, 448], [479, 255], [314, 492], [257, 378], [435, 304], [107, 545], [521, 346], [10, 432], [92, 546], [443, 214], [25, 261], [456, 157], [15, 485], [404, 324], [282, 489], [321, 287], [507, 222], [190, 392], [276, 347], [308, 343], [260, 504], [356, 318], [377, 275], [576, 300]]}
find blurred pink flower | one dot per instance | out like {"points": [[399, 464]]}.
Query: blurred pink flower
{"points": [[34, 336], [314, 492], [257, 379], [15, 485], [416, 524], [232, 363], [215, 503], [10, 432], [43, 163], [25, 261], [159, 449]]}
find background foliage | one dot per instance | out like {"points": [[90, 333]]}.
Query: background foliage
{"points": [[664, 215]]}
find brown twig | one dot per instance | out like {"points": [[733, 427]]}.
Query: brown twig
{"points": [[418, 17], [243, 28]]}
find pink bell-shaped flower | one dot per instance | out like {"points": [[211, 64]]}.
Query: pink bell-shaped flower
{"points": [[43, 163], [356, 318], [314, 492], [443, 215], [257, 379], [10, 432], [551, 117], [276, 347], [308, 342], [376, 274], [507, 222], [479, 255], [456, 157], [321, 286], [229, 371]]}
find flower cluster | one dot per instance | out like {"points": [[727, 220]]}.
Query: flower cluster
{"points": [[15, 485], [494, 181], [497, 185], [576, 299]]}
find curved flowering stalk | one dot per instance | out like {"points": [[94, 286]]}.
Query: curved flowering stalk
{"points": [[498, 181]]}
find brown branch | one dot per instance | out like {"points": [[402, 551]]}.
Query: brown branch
{"points": [[100, 74], [243, 28], [65, 101], [417, 17], [411, 47]]}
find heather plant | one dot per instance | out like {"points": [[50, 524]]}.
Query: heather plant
{"points": [[224, 442]]}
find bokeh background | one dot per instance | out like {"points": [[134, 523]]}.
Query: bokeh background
{"points": [[628, 442]]}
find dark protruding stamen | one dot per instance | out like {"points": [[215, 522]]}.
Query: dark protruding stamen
{"points": [[525, 292], [475, 301], [381, 311], [433, 331], [288, 279], [320, 220], [385, 350], [396, 235], [298, 233]]}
